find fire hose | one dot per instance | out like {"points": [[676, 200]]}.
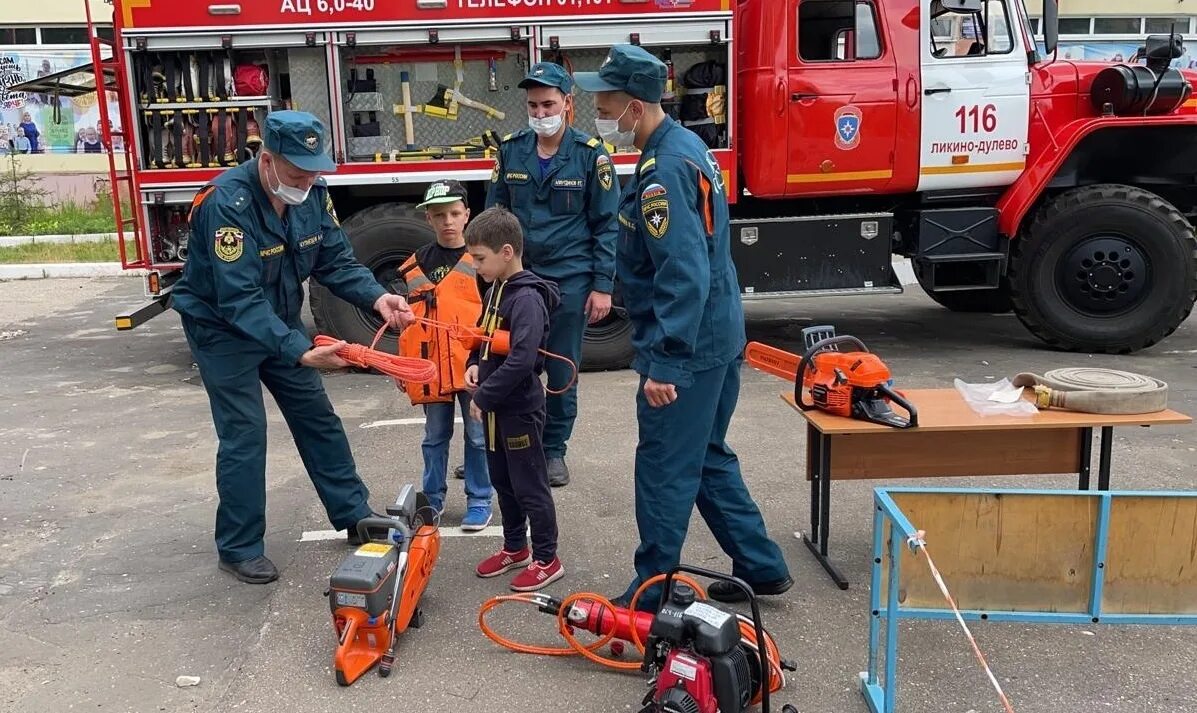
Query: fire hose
{"points": [[1094, 390], [614, 625]]}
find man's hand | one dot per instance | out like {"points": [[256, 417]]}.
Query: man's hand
{"points": [[598, 306], [324, 357], [659, 394], [475, 412], [395, 310], [471, 377]]}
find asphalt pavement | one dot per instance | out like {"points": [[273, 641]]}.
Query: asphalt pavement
{"points": [[109, 589]]}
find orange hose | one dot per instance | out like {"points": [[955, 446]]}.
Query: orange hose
{"points": [[565, 629], [500, 343], [418, 371]]}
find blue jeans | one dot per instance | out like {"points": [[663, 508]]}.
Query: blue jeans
{"points": [[438, 431]]}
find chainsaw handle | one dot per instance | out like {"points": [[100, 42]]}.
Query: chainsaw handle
{"points": [[900, 400], [808, 358], [766, 672], [388, 523]]}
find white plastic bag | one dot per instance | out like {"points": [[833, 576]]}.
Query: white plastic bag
{"points": [[1001, 398]]}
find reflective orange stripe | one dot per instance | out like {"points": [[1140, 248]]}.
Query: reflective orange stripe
{"points": [[708, 208], [199, 198]]}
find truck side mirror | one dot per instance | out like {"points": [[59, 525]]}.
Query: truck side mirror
{"points": [[1051, 25]]}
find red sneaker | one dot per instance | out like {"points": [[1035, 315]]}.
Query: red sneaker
{"points": [[503, 561], [538, 575]]}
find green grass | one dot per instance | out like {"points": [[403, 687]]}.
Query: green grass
{"points": [[106, 251], [63, 219]]}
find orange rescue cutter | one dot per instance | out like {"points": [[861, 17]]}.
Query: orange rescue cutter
{"points": [[375, 593]]}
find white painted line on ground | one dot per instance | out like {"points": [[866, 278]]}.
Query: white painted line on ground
{"points": [[322, 535], [418, 421]]}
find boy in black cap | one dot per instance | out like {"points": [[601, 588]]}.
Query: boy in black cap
{"points": [[509, 395], [442, 285]]}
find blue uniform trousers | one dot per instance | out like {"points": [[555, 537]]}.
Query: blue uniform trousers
{"points": [[232, 370], [683, 459], [567, 324]]}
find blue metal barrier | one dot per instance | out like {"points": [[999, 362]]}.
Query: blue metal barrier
{"points": [[888, 517]]}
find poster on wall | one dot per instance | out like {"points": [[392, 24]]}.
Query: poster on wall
{"points": [[41, 123], [1115, 52]]}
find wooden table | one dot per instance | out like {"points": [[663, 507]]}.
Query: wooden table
{"points": [[952, 440]]}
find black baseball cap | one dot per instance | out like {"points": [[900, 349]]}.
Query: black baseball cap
{"points": [[447, 191]]}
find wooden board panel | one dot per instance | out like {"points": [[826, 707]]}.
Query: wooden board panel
{"points": [[1151, 564], [946, 410], [916, 454], [1000, 552]]}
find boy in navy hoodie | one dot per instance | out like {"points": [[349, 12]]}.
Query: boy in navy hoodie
{"points": [[509, 398]]}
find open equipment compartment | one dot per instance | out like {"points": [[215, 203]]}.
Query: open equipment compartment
{"points": [[697, 53], [200, 102], [425, 94]]}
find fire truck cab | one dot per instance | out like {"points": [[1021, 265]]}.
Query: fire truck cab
{"points": [[849, 132]]}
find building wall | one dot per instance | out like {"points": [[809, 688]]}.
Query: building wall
{"points": [[48, 12]]}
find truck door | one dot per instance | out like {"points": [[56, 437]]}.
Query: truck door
{"points": [[842, 99], [976, 103]]}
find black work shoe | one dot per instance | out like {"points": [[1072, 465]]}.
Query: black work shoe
{"points": [[558, 472], [728, 592], [258, 570], [459, 472], [375, 533]]}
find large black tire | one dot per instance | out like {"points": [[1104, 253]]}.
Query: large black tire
{"points": [[1105, 268], [607, 345], [383, 236], [995, 301]]}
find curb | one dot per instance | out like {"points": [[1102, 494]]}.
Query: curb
{"points": [[11, 241], [40, 271]]}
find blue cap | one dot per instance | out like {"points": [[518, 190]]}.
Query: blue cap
{"points": [[298, 137], [548, 74], [628, 68]]}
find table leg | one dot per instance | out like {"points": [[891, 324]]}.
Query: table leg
{"points": [[815, 439], [1103, 463], [821, 507], [1086, 457]]}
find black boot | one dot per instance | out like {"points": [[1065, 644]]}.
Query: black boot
{"points": [[728, 592], [258, 570], [558, 472]]}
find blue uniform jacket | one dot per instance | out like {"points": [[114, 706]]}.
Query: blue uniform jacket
{"points": [[245, 268], [674, 259], [569, 216]]}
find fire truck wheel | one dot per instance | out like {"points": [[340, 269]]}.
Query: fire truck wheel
{"points": [[383, 236], [996, 301], [1105, 268]]}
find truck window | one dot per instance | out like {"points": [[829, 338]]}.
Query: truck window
{"points": [[971, 35], [837, 30]]}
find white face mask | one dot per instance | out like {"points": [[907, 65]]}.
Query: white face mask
{"points": [[287, 194], [608, 129], [546, 127]]}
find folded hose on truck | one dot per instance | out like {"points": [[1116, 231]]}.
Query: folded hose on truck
{"points": [[1094, 390]]}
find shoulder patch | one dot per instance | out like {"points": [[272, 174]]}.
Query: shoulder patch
{"points": [[592, 142], [654, 206], [648, 165], [230, 244], [514, 135], [198, 199], [332, 212], [606, 173]]}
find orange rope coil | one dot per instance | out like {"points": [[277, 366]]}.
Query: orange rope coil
{"points": [[417, 371]]}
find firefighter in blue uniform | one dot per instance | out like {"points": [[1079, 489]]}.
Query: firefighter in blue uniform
{"points": [[561, 185], [257, 232], [683, 297]]}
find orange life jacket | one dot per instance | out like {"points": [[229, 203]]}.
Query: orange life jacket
{"points": [[454, 299]]}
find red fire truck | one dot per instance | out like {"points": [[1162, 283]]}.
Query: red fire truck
{"points": [[849, 131]]}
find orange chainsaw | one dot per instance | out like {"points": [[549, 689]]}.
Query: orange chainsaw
{"points": [[375, 593], [853, 384]]}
